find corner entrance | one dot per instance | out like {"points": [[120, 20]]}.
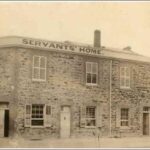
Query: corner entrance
{"points": [[65, 122], [146, 121], [4, 120]]}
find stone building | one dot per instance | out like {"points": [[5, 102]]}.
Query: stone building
{"points": [[66, 89]]}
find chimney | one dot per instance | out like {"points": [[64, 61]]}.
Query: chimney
{"points": [[97, 38]]}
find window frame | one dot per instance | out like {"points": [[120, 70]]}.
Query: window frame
{"points": [[124, 120], [91, 73], [33, 68], [45, 115], [125, 77], [87, 118], [38, 118]]}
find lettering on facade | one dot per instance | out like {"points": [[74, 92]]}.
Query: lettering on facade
{"points": [[61, 46]]}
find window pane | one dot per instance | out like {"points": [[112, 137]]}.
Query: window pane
{"points": [[94, 78], [36, 61], [146, 108], [90, 122], [88, 78], [42, 74], [127, 72], [36, 73], [122, 81], [37, 122], [122, 71], [88, 67], [124, 123], [127, 82], [43, 62], [94, 68], [37, 111], [90, 112]]}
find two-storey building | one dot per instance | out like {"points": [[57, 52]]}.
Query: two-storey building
{"points": [[66, 89]]}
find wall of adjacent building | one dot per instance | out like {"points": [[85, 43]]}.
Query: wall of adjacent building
{"points": [[8, 83], [134, 98]]}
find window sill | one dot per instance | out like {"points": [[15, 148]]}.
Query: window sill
{"points": [[124, 128], [125, 88], [37, 126], [90, 127], [38, 80], [89, 84]]}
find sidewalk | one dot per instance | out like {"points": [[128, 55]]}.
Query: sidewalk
{"points": [[132, 142]]}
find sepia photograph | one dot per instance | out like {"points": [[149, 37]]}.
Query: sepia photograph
{"points": [[75, 74]]}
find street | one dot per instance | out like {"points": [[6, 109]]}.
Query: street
{"points": [[130, 142]]}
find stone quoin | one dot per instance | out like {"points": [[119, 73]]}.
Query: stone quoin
{"points": [[67, 89]]}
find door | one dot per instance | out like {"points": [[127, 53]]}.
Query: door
{"points": [[65, 122], [2, 112], [145, 123], [6, 123]]}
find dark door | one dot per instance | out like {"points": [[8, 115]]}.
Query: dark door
{"points": [[6, 123], [145, 123]]}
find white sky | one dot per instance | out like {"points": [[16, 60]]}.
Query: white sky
{"points": [[121, 23]]}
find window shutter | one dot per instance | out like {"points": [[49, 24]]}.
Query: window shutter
{"points": [[118, 117], [42, 74], [47, 118], [82, 116], [28, 116], [98, 116]]}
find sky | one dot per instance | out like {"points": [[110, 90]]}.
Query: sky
{"points": [[122, 24]]}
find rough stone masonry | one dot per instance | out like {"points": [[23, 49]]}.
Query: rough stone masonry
{"points": [[66, 85]]}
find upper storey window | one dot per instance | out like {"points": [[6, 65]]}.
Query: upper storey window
{"points": [[125, 77], [39, 68], [91, 73]]}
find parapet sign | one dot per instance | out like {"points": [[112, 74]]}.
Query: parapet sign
{"points": [[61, 46]]}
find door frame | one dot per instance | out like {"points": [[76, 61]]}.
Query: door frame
{"points": [[146, 112], [70, 119], [6, 127], [5, 134]]}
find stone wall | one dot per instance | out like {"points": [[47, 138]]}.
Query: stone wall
{"points": [[65, 85]]}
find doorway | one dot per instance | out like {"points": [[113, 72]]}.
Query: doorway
{"points": [[4, 120], [65, 122], [146, 121]]}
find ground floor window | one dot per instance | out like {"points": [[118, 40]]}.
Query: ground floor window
{"points": [[124, 116], [37, 118], [37, 115], [90, 116]]}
